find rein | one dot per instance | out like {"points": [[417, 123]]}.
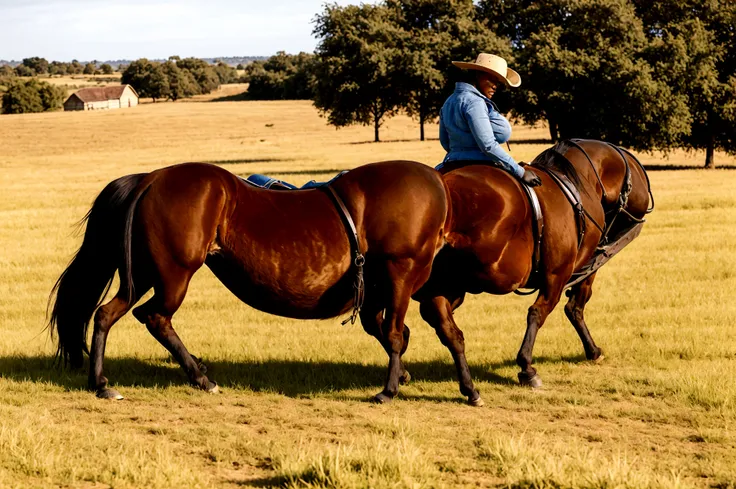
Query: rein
{"points": [[359, 260]]}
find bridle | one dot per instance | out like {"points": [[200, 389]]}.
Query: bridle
{"points": [[605, 249], [621, 201]]}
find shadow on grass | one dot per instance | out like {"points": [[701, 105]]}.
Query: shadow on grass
{"points": [[248, 160], [353, 143], [237, 97], [531, 141], [683, 167], [293, 378]]}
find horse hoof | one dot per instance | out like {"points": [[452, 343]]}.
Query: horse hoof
{"points": [[382, 398], [109, 394], [535, 381], [405, 378], [600, 359], [476, 402], [213, 388]]}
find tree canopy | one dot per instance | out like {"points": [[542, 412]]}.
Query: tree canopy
{"points": [[355, 77], [281, 77], [175, 78], [28, 96], [693, 47]]}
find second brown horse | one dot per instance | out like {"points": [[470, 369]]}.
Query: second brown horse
{"points": [[286, 253], [491, 244]]}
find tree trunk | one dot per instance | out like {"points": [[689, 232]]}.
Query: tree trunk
{"points": [[421, 120], [710, 162], [552, 130], [376, 125]]}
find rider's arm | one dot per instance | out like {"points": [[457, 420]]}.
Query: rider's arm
{"points": [[475, 111], [444, 136]]}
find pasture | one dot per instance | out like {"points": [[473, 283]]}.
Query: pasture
{"points": [[658, 412]]}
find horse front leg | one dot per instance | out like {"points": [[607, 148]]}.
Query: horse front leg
{"points": [[537, 315], [574, 310]]}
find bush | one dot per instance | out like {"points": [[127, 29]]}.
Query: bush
{"points": [[23, 70], [281, 77], [32, 96]]}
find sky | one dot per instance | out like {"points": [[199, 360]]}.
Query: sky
{"points": [[101, 30]]}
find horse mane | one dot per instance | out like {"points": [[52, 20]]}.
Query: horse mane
{"points": [[553, 159]]}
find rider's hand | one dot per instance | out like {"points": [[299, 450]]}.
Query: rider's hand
{"points": [[531, 179]]}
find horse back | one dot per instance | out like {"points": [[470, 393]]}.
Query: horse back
{"points": [[398, 206]]}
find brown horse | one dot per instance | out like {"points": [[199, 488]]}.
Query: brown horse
{"points": [[491, 243], [286, 253]]}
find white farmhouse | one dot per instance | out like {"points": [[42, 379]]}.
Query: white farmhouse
{"points": [[113, 97]]}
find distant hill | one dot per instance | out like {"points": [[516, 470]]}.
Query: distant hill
{"points": [[230, 60]]}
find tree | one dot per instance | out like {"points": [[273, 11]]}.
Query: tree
{"points": [[240, 67], [31, 96], [157, 84], [693, 49], [6, 71], [225, 73], [58, 68], [438, 32], [23, 70], [357, 80], [39, 66], [106, 69], [584, 70], [206, 77], [181, 82], [147, 78], [89, 69], [75, 68], [281, 77]]}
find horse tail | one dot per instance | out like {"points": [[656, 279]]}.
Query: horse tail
{"points": [[83, 285]]}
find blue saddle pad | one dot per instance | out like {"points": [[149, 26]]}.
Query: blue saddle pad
{"points": [[269, 182]]}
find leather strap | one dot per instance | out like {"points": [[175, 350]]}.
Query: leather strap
{"points": [[359, 260], [347, 219], [574, 142], [573, 197], [537, 226]]}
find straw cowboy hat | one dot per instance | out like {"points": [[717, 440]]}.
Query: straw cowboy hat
{"points": [[494, 65]]}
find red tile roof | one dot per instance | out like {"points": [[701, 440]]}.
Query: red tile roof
{"points": [[100, 94]]}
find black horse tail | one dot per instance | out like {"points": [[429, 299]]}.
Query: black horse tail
{"points": [[82, 287]]}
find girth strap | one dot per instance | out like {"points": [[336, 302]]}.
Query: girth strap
{"points": [[359, 260], [537, 226]]}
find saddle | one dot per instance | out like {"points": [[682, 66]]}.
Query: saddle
{"points": [[267, 182]]}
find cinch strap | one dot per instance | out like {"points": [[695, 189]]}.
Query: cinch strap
{"points": [[359, 260]]}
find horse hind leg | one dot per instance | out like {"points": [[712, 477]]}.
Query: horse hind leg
{"points": [[104, 319], [156, 314], [371, 319], [579, 295], [438, 313], [403, 275]]}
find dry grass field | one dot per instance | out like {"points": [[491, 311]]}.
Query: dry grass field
{"points": [[658, 412]]}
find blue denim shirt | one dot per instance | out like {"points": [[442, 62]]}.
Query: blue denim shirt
{"points": [[471, 128]]}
